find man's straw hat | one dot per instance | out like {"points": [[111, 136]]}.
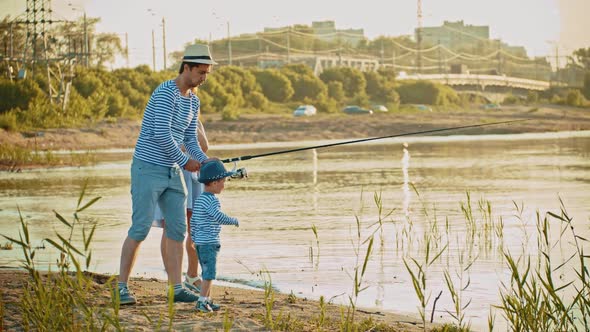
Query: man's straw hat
{"points": [[198, 53]]}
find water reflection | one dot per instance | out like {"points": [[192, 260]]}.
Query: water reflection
{"points": [[330, 188]]}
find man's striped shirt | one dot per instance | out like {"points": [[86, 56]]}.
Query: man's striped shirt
{"points": [[207, 219], [169, 120]]}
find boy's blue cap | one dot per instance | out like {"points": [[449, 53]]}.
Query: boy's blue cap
{"points": [[212, 170]]}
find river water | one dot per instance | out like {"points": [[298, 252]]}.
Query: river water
{"points": [[422, 188]]}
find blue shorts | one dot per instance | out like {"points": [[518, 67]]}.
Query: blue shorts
{"points": [[194, 189], [208, 259], [153, 185]]}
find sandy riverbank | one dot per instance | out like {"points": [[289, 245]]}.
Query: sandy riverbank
{"points": [[285, 128], [246, 308]]}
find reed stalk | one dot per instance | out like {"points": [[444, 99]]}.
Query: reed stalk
{"points": [[542, 297], [63, 300]]}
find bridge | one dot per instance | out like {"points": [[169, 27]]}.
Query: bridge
{"points": [[481, 81], [494, 88]]}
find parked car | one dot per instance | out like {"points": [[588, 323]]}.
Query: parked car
{"points": [[380, 108], [353, 109], [490, 106], [421, 107], [305, 110]]}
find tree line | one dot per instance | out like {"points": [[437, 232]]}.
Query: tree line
{"points": [[98, 94]]}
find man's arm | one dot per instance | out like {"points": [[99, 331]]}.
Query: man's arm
{"points": [[190, 140], [202, 137]]}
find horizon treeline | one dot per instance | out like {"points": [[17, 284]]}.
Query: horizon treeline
{"points": [[97, 94]]}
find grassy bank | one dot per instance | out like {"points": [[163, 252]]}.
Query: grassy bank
{"points": [[15, 158]]}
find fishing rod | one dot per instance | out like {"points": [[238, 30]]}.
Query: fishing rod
{"points": [[236, 159]]}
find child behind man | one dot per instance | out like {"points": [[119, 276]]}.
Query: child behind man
{"points": [[205, 226]]}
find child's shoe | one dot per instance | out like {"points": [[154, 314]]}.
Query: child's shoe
{"points": [[214, 307], [203, 306]]}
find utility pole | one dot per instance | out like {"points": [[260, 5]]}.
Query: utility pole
{"points": [[210, 44], [288, 45], [5, 44], [499, 57], [127, 48], [11, 41], [439, 59], [557, 76], [229, 44], [419, 38], [86, 48], [382, 53], [164, 39], [153, 51]]}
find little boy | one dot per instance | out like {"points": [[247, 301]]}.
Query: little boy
{"points": [[206, 224]]}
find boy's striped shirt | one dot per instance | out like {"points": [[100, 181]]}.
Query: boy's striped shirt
{"points": [[207, 219]]}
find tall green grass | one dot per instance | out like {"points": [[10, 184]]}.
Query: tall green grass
{"points": [[63, 300], [544, 295]]}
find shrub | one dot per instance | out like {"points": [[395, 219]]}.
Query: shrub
{"points": [[510, 100], [257, 100], [327, 105], [18, 94], [230, 113], [532, 97], [352, 79], [8, 121], [575, 98], [424, 92], [336, 91], [275, 86], [86, 84]]}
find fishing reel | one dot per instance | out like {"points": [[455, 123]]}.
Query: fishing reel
{"points": [[239, 173]]}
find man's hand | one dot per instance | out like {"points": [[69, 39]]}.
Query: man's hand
{"points": [[192, 165]]}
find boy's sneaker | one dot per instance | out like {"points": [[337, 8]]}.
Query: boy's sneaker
{"points": [[185, 296], [214, 307], [204, 306], [190, 284], [125, 296]]}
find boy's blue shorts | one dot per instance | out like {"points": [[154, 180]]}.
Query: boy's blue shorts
{"points": [[208, 259]]}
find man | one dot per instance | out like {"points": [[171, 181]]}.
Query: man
{"points": [[194, 189], [170, 120]]}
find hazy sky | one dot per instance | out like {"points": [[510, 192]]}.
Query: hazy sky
{"points": [[538, 25]]}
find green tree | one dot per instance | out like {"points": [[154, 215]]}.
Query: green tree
{"points": [[425, 92], [305, 84], [336, 91], [586, 88], [275, 86], [107, 47], [86, 83], [18, 94], [352, 79]]}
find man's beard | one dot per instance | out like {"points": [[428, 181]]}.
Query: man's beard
{"points": [[198, 84]]}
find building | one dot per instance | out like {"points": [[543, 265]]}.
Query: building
{"points": [[454, 35], [326, 30]]}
